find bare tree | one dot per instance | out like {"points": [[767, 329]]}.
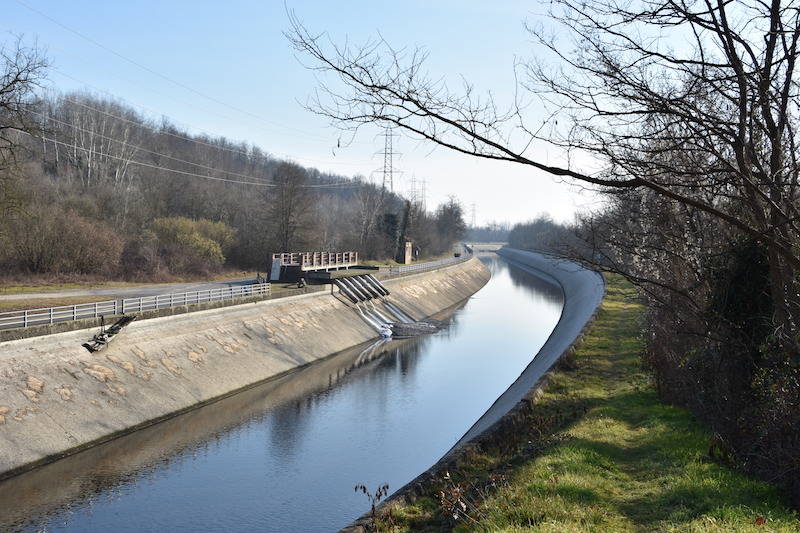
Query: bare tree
{"points": [[290, 207], [694, 100], [22, 70]]}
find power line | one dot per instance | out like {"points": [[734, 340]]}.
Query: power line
{"points": [[187, 87], [157, 167], [193, 174], [138, 148], [158, 74], [176, 135], [141, 125]]}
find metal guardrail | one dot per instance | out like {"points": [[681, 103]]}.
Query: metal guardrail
{"points": [[414, 267], [51, 315], [317, 260]]}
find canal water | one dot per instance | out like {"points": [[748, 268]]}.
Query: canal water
{"points": [[285, 456]]}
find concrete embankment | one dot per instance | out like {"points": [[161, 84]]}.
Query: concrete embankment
{"points": [[583, 292], [56, 398], [54, 485]]}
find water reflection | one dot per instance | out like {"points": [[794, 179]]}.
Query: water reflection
{"points": [[522, 279], [284, 456], [284, 401]]}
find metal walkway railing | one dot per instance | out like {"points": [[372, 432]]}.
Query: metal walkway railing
{"points": [[317, 260], [51, 315], [429, 265]]}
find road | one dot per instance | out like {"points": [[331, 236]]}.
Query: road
{"points": [[129, 292]]}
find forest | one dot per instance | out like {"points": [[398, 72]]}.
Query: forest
{"points": [[91, 189]]}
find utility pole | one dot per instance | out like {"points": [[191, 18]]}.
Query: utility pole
{"points": [[387, 171]]}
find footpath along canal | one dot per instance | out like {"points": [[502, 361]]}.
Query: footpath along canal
{"points": [[285, 455]]}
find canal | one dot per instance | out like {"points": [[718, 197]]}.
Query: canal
{"points": [[285, 455]]}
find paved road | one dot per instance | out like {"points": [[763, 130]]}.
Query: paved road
{"points": [[129, 292]]}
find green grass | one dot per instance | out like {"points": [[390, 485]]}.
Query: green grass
{"points": [[599, 452]]}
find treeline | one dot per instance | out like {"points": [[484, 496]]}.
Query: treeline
{"points": [[491, 232], [712, 343], [100, 190], [542, 234]]}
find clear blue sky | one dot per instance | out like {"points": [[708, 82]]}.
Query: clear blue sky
{"points": [[235, 51]]}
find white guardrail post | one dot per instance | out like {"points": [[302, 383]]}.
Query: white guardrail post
{"points": [[51, 315]]}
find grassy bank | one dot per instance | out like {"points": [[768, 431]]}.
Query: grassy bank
{"points": [[598, 452], [32, 284]]}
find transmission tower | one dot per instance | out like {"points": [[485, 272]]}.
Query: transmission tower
{"points": [[388, 171], [412, 193], [472, 218]]}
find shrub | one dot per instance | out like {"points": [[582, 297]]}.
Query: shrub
{"points": [[193, 246], [140, 258], [53, 240]]}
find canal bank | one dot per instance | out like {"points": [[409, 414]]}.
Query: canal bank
{"points": [[582, 291], [598, 451], [286, 459], [56, 398]]}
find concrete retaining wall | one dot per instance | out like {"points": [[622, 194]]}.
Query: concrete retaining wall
{"points": [[583, 292], [56, 398]]}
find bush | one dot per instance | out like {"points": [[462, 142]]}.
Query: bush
{"points": [[140, 258], [219, 232], [53, 240], [193, 246]]}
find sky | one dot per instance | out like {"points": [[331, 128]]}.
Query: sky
{"points": [[226, 69]]}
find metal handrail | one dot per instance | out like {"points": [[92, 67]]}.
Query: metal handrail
{"points": [[317, 260], [428, 265], [51, 315]]}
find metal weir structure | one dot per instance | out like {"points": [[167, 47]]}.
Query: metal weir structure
{"points": [[359, 286]]}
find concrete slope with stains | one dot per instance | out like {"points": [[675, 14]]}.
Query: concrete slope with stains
{"points": [[56, 398]]}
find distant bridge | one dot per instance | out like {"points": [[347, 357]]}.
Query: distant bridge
{"points": [[487, 246]]}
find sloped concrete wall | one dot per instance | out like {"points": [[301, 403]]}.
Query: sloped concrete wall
{"points": [[583, 292], [56, 398]]}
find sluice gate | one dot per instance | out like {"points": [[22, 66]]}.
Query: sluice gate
{"points": [[356, 283], [361, 288], [370, 299]]}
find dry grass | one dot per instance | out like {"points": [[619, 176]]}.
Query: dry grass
{"points": [[36, 284], [41, 303]]}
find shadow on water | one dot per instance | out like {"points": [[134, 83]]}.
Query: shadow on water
{"points": [[522, 279], [285, 455], [54, 487]]}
